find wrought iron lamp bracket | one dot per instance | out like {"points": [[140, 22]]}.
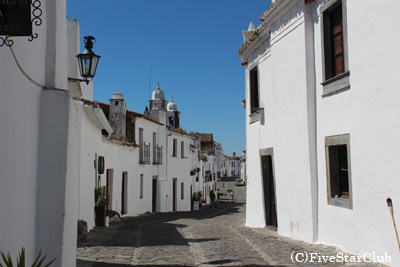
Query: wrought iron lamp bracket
{"points": [[35, 20]]}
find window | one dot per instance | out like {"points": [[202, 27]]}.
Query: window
{"points": [[182, 191], [174, 147], [255, 111], [337, 153], [154, 148], [144, 150], [141, 186], [335, 47], [254, 95], [182, 149], [124, 193]]}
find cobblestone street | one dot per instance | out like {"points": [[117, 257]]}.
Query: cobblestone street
{"points": [[208, 237]]}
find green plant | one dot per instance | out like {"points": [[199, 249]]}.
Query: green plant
{"points": [[203, 158], [102, 198], [197, 196], [21, 260]]}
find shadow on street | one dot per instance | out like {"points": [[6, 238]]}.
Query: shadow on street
{"points": [[155, 229], [216, 263]]}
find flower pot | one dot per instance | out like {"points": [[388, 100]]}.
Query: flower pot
{"points": [[100, 215]]}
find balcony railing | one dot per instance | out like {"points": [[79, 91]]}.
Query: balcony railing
{"points": [[208, 176], [157, 155], [144, 154]]}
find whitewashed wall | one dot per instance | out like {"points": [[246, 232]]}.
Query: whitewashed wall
{"points": [[37, 165], [150, 170], [120, 158], [179, 168], [368, 112], [297, 119]]}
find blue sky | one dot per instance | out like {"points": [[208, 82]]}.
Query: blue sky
{"points": [[191, 48]]}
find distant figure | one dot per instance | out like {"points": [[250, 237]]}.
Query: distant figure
{"points": [[212, 197], [231, 195]]}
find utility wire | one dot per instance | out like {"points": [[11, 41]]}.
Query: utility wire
{"points": [[24, 73]]}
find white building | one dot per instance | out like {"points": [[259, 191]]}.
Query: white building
{"points": [[231, 166], [322, 133], [146, 163], [243, 169], [39, 144]]}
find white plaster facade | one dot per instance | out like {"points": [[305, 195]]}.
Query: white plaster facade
{"points": [[230, 166], [297, 115], [51, 138], [166, 168], [39, 159]]}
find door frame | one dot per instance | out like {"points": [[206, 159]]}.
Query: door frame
{"points": [[154, 194], [174, 194], [268, 211]]}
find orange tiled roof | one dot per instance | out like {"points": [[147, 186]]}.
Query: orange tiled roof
{"points": [[206, 137]]}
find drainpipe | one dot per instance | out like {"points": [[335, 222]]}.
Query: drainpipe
{"points": [[311, 112], [166, 168]]}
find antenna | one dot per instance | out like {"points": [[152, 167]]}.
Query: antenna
{"points": [[150, 86]]}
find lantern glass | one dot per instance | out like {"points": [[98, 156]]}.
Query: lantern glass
{"points": [[87, 62]]}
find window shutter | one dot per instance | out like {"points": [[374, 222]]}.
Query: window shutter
{"points": [[337, 39]]}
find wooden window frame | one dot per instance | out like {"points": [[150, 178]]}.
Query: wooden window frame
{"points": [[174, 147], [182, 149], [334, 82], [336, 196], [256, 111], [254, 89], [141, 186]]}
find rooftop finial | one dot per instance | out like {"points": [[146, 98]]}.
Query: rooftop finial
{"points": [[158, 85], [172, 99], [251, 26]]}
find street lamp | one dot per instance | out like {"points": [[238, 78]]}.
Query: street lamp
{"points": [[88, 60]]}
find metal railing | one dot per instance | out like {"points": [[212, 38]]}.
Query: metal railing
{"points": [[144, 154], [157, 155]]}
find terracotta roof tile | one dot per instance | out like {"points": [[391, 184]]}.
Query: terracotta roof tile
{"points": [[206, 137]]}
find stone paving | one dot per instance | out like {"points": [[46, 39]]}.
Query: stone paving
{"points": [[208, 237]]}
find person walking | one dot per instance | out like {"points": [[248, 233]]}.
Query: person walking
{"points": [[212, 197]]}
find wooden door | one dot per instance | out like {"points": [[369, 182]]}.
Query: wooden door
{"points": [[154, 198], [109, 183], [124, 195], [174, 195], [269, 191]]}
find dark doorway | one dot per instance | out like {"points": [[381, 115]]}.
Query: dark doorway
{"points": [[191, 195], [124, 195], [109, 183], [174, 194], [269, 191], [154, 207]]}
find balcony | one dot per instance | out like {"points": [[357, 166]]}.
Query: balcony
{"points": [[157, 155], [144, 154], [208, 177]]}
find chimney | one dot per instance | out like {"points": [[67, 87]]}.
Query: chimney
{"points": [[234, 155], [118, 115]]}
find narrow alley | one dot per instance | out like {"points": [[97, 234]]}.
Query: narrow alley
{"points": [[207, 237]]}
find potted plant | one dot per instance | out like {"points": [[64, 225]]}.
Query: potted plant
{"points": [[21, 260], [196, 199], [102, 199]]}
